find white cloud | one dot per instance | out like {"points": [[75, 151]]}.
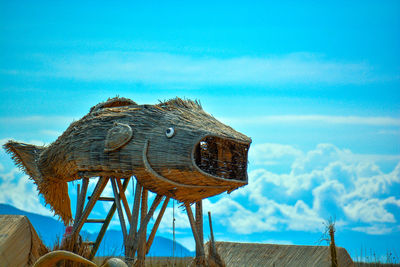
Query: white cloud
{"points": [[164, 68], [187, 242], [371, 210], [374, 229], [273, 154], [19, 191], [321, 183], [181, 219]]}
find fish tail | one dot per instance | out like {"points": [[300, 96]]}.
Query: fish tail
{"points": [[54, 191], [25, 156]]}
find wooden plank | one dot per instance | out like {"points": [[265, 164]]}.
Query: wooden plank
{"points": [[95, 221], [211, 234], [146, 220], [105, 225], [156, 224], [119, 209], [78, 194], [105, 199], [199, 225], [129, 254], [194, 231], [141, 254], [124, 201], [81, 199]]}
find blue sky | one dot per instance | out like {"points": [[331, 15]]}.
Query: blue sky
{"points": [[316, 86]]}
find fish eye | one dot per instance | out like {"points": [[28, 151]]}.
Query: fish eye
{"points": [[170, 132]]}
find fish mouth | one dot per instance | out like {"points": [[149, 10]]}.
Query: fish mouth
{"points": [[222, 158]]}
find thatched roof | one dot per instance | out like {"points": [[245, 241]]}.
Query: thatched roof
{"points": [[254, 254], [19, 242]]}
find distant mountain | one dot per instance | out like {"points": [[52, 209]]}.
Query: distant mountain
{"points": [[50, 230]]}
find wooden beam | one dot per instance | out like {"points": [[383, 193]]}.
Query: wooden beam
{"points": [[105, 199], [146, 220], [95, 221], [124, 201], [129, 254], [106, 224], [199, 225], [156, 224], [78, 194], [193, 226], [211, 234], [141, 254], [119, 209]]}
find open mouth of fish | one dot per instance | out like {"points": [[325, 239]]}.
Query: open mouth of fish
{"points": [[222, 158]]}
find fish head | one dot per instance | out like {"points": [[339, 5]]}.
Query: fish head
{"points": [[187, 141]]}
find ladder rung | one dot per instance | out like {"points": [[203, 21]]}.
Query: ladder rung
{"points": [[95, 220], [104, 198], [90, 243]]}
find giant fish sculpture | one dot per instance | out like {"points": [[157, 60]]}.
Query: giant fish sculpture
{"points": [[173, 148]]}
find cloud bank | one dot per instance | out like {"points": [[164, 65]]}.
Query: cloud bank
{"points": [[165, 68], [319, 184]]}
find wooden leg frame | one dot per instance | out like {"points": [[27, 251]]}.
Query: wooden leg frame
{"points": [[134, 238]]}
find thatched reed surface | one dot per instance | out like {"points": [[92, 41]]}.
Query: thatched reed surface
{"points": [[19, 242], [173, 148], [254, 254]]}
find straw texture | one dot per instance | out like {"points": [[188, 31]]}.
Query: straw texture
{"points": [[253, 254], [19, 242], [173, 148]]}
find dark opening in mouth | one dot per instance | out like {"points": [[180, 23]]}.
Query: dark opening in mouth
{"points": [[222, 158]]}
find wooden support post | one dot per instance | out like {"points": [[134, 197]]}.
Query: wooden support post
{"points": [[106, 224], [143, 224], [141, 254], [195, 234], [211, 234], [81, 198], [199, 226], [129, 253], [156, 224], [78, 194], [119, 209], [123, 198]]}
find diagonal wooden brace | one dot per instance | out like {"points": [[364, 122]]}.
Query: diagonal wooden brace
{"points": [[143, 224], [194, 230], [119, 209], [156, 224]]}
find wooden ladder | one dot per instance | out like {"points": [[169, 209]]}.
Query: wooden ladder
{"points": [[134, 239], [81, 196]]}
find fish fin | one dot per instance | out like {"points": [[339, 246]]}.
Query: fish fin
{"points": [[55, 192], [113, 102], [117, 136]]}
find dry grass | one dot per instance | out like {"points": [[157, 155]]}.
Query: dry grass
{"points": [[80, 248], [155, 261]]}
